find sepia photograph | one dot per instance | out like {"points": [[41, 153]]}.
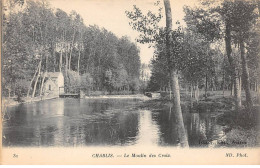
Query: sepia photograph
{"points": [[130, 82]]}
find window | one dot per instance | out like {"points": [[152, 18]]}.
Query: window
{"points": [[49, 87]]}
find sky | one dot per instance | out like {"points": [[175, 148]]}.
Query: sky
{"points": [[110, 14]]}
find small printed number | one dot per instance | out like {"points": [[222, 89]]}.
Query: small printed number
{"points": [[15, 156]]}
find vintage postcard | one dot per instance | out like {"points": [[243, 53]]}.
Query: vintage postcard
{"points": [[126, 82]]}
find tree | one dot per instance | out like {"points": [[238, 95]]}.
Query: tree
{"points": [[147, 25], [237, 18], [159, 80], [196, 64], [39, 39], [208, 23], [242, 19]]}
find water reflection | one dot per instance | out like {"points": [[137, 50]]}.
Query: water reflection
{"points": [[80, 122], [200, 127], [203, 128], [148, 133]]}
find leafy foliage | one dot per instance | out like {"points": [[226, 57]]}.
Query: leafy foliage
{"points": [[38, 34]]}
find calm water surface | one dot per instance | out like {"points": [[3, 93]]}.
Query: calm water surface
{"points": [[103, 122]]}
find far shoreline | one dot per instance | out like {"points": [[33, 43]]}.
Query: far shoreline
{"points": [[11, 103]]}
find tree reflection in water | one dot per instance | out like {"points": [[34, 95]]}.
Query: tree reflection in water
{"points": [[80, 122], [198, 126]]}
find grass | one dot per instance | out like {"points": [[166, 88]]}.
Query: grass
{"points": [[241, 137], [241, 127]]}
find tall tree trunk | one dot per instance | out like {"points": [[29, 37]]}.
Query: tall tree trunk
{"points": [[89, 56], [191, 95], [66, 62], [71, 48], [232, 65], [245, 75], [42, 83], [257, 92], [46, 70], [54, 57], [37, 78], [186, 90], [69, 57], [174, 79], [206, 85], [78, 61], [29, 88], [196, 93], [239, 90], [60, 65], [213, 84], [63, 46], [177, 109], [170, 91], [231, 86], [223, 84]]}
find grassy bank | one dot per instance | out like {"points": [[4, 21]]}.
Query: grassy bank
{"points": [[15, 100], [241, 127], [7, 102]]}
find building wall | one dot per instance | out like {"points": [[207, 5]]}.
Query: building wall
{"points": [[56, 84], [50, 88], [60, 82]]}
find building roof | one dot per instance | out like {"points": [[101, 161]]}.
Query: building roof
{"points": [[52, 74]]}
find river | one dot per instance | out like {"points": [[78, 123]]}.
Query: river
{"points": [[102, 122]]}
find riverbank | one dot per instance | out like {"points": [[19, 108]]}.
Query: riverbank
{"points": [[8, 102], [135, 96], [240, 129]]}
